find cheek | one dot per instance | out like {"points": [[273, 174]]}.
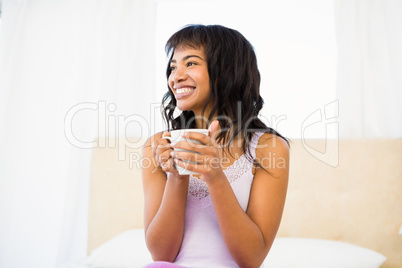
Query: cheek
{"points": [[202, 79], [206, 83], [206, 78]]}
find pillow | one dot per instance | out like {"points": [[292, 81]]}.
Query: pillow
{"points": [[127, 249], [318, 253]]}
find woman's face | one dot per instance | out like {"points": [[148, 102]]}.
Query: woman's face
{"points": [[189, 79]]}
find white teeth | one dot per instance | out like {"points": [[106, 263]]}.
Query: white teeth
{"points": [[184, 90]]}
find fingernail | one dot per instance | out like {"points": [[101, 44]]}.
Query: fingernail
{"points": [[173, 143], [184, 135], [172, 154]]}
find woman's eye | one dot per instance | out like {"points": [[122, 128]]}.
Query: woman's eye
{"points": [[172, 68], [191, 64]]}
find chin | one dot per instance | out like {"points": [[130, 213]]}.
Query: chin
{"points": [[183, 106]]}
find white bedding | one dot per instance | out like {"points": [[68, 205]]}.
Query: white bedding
{"points": [[76, 264], [128, 250]]}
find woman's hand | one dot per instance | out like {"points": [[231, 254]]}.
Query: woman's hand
{"points": [[161, 150], [205, 156]]}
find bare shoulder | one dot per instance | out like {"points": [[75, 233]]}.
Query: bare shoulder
{"points": [[272, 153]]}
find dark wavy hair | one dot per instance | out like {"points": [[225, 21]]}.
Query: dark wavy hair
{"points": [[234, 82]]}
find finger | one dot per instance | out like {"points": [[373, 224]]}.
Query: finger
{"points": [[188, 156], [164, 156], [154, 147], [195, 136], [195, 148], [155, 144], [166, 134], [188, 145], [168, 166], [158, 145], [186, 165], [201, 168], [207, 165], [213, 127]]}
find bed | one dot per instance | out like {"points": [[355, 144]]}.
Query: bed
{"points": [[343, 209]]}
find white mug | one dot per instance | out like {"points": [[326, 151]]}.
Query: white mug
{"points": [[176, 136]]}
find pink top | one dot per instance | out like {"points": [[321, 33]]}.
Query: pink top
{"points": [[203, 244]]}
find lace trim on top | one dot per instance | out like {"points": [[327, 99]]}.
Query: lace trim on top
{"points": [[198, 193]]}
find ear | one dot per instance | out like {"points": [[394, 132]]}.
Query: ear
{"points": [[213, 127]]}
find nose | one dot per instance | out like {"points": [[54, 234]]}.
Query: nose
{"points": [[178, 75]]}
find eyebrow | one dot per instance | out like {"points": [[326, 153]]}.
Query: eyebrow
{"points": [[187, 57]]}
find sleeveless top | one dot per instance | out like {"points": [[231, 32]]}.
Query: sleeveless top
{"points": [[203, 244]]}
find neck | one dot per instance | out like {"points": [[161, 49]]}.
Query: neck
{"points": [[201, 121]]}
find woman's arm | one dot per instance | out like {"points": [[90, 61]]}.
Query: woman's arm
{"points": [[165, 201], [249, 235]]}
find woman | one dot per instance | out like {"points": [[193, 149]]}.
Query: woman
{"points": [[229, 214]]}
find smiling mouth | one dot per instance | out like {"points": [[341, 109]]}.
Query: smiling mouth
{"points": [[184, 90]]}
